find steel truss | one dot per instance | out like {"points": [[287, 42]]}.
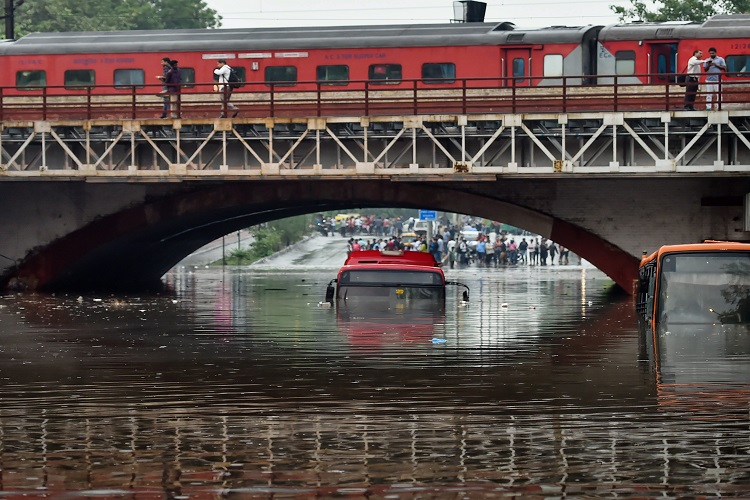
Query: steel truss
{"points": [[471, 145]]}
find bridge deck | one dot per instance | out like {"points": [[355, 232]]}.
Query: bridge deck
{"points": [[397, 146]]}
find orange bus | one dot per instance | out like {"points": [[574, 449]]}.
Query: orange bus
{"points": [[702, 283]]}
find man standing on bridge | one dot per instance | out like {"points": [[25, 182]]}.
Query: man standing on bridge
{"points": [[692, 77], [222, 71], [714, 66]]}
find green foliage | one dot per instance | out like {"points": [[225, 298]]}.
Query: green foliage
{"points": [[107, 15], [292, 229], [239, 257], [180, 14], [270, 238], [267, 242], [678, 10]]}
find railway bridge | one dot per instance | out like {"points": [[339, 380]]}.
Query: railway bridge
{"points": [[103, 203]]}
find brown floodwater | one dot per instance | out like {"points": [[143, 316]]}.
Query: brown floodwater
{"points": [[239, 383]]}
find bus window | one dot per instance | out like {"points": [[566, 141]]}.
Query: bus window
{"points": [[704, 288]]}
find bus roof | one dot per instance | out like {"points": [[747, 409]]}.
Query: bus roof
{"points": [[709, 245], [390, 258]]}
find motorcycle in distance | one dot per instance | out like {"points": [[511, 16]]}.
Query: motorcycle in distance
{"points": [[323, 228]]}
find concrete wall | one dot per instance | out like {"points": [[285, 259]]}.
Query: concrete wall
{"points": [[78, 235]]}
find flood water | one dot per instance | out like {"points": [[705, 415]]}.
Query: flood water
{"points": [[239, 384]]}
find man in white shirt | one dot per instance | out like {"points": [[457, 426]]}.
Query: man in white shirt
{"points": [[692, 77], [222, 71]]}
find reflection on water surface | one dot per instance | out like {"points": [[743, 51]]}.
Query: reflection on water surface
{"points": [[241, 384]]}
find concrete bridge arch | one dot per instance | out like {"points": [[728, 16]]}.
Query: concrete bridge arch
{"points": [[126, 236]]}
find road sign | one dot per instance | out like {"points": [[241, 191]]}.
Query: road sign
{"points": [[427, 215]]}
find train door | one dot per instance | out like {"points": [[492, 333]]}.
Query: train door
{"points": [[517, 67], [662, 62]]}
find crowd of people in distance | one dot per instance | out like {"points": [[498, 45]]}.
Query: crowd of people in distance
{"points": [[475, 243]]}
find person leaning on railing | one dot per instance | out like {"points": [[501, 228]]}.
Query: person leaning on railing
{"points": [[692, 78]]}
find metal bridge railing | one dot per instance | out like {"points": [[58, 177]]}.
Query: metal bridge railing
{"points": [[562, 94]]}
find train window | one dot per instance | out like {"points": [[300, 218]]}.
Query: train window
{"points": [[188, 77], [519, 69], [126, 78], [385, 73], [30, 80], [662, 66], [738, 64], [242, 74], [553, 65], [333, 75], [76, 78], [625, 62], [439, 73], [281, 75]]}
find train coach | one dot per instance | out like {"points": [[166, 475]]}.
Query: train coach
{"points": [[643, 53], [432, 56]]}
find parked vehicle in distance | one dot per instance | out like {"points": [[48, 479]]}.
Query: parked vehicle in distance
{"points": [[397, 278], [423, 227], [703, 283], [408, 239]]}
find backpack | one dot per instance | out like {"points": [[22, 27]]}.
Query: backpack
{"points": [[234, 79]]}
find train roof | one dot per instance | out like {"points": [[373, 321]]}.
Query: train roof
{"points": [[210, 40], [719, 26]]}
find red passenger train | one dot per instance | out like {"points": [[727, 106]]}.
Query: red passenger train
{"points": [[431, 56]]}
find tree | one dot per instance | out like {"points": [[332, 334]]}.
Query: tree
{"points": [[678, 10], [180, 14], [107, 15]]}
